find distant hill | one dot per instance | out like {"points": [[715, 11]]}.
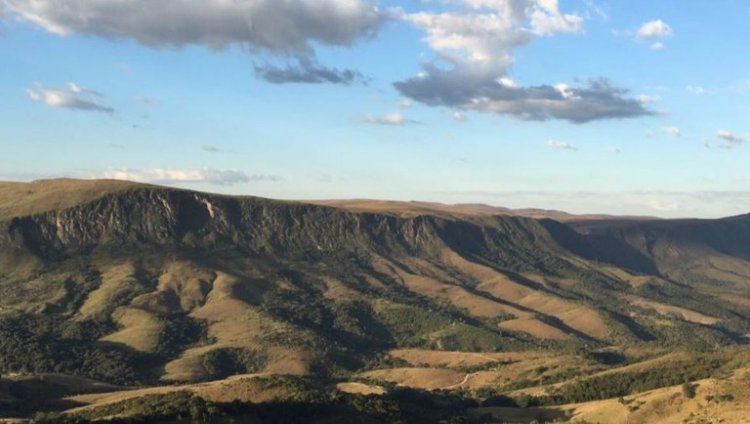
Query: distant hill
{"points": [[138, 284], [459, 210]]}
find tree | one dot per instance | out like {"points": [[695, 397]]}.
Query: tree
{"points": [[688, 390]]}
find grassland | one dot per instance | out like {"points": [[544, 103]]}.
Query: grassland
{"points": [[152, 292]]}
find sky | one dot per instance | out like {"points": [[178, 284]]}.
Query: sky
{"points": [[638, 107]]}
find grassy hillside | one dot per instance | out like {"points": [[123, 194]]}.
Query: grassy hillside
{"points": [[131, 284]]}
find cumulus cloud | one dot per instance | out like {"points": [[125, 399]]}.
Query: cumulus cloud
{"points": [[71, 96], [656, 46], [654, 30], [394, 119], [283, 27], [405, 104], [476, 39], [484, 31], [664, 205], [307, 72], [459, 116], [462, 89], [696, 89], [177, 176], [648, 99], [560, 145], [546, 19], [729, 139], [673, 131]]}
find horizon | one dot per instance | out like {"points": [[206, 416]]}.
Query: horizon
{"points": [[581, 106], [342, 202]]}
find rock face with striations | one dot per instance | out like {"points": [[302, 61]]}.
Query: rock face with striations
{"points": [[158, 216]]}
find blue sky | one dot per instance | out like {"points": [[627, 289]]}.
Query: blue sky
{"points": [[637, 107]]}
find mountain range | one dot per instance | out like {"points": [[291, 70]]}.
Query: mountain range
{"points": [[108, 286]]}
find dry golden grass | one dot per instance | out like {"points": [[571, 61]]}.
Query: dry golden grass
{"points": [[500, 286], [520, 416], [360, 388], [414, 208], [141, 323], [188, 283], [420, 378], [232, 323], [726, 268], [660, 406], [238, 388], [429, 285], [626, 277], [117, 280], [669, 406], [336, 290], [535, 328], [140, 329], [594, 370], [435, 358], [445, 370], [518, 300], [670, 311], [475, 305], [411, 209], [21, 199], [666, 405]]}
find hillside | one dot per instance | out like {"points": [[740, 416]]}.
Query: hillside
{"points": [[138, 285], [460, 210]]}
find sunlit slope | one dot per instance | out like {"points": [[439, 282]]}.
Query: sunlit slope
{"points": [[138, 284]]}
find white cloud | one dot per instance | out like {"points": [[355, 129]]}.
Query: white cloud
{"points": [[729, 139], [594, 9], [70, 97], [394, 119], [284, 27], [405, 104], [459, 116], [654, 30], [546, 19], [177, 176], [664, 205], [560, 145], [648, 99], [477, 38], [673, 131], [696, 89], [287, 26], [507, 82], [483, 32]]}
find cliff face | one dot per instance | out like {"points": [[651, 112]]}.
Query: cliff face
{"points": [[177, 218]]}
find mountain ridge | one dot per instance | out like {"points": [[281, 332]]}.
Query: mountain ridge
{"points": [[138, 284]]}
